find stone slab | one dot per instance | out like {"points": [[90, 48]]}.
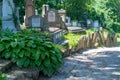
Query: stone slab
{"points": [[23, 74], [5, 65]]}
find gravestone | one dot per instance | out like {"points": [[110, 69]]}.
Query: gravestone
{"points": [[52, 16], [96, 25], [74, 23], [62, 14], [53, 23], [0, 9], [68, 21], [29, 10], [35, 21], [7, 18], [45, 8], [36, 12], [51, 19]]}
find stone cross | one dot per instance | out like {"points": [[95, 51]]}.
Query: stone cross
{"points": [[7, 15], [29, 10]]}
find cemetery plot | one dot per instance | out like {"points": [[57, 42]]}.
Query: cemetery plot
{"points": [[35, 21]]}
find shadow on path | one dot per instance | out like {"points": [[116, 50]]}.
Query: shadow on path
{"points": [[95, 64]]}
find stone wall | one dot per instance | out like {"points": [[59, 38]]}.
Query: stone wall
{"points": [[97, 39]]}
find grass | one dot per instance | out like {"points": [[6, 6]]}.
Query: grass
{"points": [[90, 31], [118, 41], [73, 39], [118, 38]]}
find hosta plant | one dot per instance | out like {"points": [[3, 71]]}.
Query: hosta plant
{"points": [[31, 51]]}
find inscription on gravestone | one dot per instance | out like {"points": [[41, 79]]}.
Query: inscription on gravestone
{"points": [[51, 16], [35, 21]]}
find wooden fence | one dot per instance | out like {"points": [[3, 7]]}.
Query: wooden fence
{"points": [[96, 39]]}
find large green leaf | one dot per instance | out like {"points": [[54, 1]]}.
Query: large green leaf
{"points": [[21, 53], [16, 49], [36, 56], [2, 47], [47, 62], [5, 39], [43, 56], [38, 62], [26, 63], [13, 44], [21, 61]]}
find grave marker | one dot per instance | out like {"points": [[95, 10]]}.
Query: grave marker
{"points": [[96, 25], [62, 13], [7, 18], [51, 16], [45, 8], [35, 21]]}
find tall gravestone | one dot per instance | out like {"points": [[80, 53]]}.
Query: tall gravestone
{"points": [[45, 8], [62, 14], [7, 18], [29, 10]]}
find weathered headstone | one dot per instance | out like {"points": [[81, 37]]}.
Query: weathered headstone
{"points": [[35, 21], [29, 10], [96, 25], [62, 14], [36, 12], [51, 16], [52, 19], [74, 23], [7, 18], [45, 8], [68, 21], [0, 9]]}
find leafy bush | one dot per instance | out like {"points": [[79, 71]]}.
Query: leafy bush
{"points": [[90, 31], [116, 27], [34, 32], [73, 39], [30, 51], [2, 76]]}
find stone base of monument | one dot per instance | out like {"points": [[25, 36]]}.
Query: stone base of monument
{"points": [[23, 74], [8, 25], [56, 35], [76, 29]]}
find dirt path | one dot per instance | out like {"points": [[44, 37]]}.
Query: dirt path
{"points": [[94, 64]]}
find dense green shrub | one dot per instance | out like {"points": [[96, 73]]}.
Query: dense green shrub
{"points": [[116, 27], [72, 39], [2, 76], [30, 51]]}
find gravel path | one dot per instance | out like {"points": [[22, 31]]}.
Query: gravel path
{"points": [[93, 64]]}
